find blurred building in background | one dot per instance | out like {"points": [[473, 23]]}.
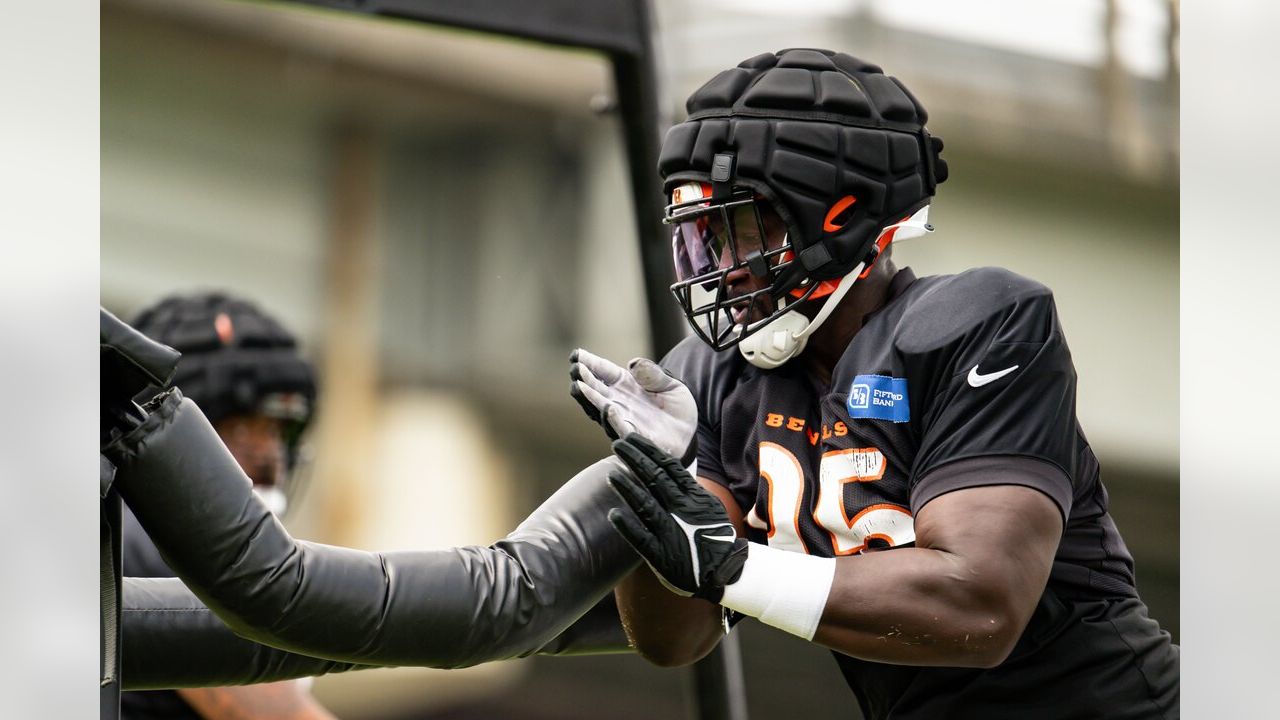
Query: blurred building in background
{"points": [[442, 216]]}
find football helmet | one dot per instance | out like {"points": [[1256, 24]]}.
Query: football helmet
{"points": [[791, 174], [238, 360]]}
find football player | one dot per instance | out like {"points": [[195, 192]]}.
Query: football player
{"points": [[244, 370], [887, 465]]}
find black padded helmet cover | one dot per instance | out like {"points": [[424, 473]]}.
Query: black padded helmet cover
{"points": [[233, 355], [807, 128]]}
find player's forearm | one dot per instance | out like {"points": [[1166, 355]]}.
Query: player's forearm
{"points": [[270, 701], [918, 606], [666, 629]]}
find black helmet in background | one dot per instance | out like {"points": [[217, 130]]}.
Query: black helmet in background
{"points": [[237, 361]]}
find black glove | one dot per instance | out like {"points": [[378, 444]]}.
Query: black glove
{"points": [[128, 363], [683, 531]]}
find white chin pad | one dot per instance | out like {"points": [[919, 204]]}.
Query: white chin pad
{"points": [[777, 342], [274, 498]]}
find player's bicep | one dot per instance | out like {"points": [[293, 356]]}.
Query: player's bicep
{"points": [[1003, 538], [736, 516]]}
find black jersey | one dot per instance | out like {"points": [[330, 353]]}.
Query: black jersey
{"points": [[141, 558], [958, 381]]}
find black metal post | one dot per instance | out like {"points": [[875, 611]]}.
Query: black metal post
{"points": [[719, 692]]}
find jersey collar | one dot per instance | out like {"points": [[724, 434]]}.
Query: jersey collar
{"points": [[899, 284]]}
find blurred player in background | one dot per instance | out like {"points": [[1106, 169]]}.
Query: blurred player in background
{"points": [[889, 466], [245, 372], [255, 604]]}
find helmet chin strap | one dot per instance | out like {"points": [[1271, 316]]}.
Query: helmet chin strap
{"points": [[785, 337]]}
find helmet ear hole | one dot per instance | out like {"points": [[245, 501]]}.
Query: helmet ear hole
{"points": [[843, 218], [839, 214]]}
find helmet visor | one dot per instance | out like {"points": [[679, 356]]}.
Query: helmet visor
{"points": [[729, 261], [710, 237]]}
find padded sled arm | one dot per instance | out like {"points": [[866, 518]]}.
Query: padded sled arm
{"points": [[171, 640], [443, 608], [599, 632], [165, 626]]}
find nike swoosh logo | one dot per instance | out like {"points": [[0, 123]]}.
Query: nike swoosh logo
{"points": [[978, 380], [721, 538]]}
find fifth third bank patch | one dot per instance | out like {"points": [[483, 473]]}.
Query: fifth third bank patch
{"points": [[879, 397]]}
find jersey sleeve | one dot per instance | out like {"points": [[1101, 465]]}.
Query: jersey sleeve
{"points": [[1002, 409]]}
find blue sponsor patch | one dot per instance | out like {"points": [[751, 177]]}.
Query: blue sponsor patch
{"points": [[879, 397]]}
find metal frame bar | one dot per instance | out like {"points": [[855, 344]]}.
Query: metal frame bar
{"points": [[622, 29]]}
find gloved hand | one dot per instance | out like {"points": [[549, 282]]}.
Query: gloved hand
{"points": [[683, 531], [128, 363], [641, 398]]}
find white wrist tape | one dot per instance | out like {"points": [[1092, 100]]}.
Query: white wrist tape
{"points": [[787, 590]]}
